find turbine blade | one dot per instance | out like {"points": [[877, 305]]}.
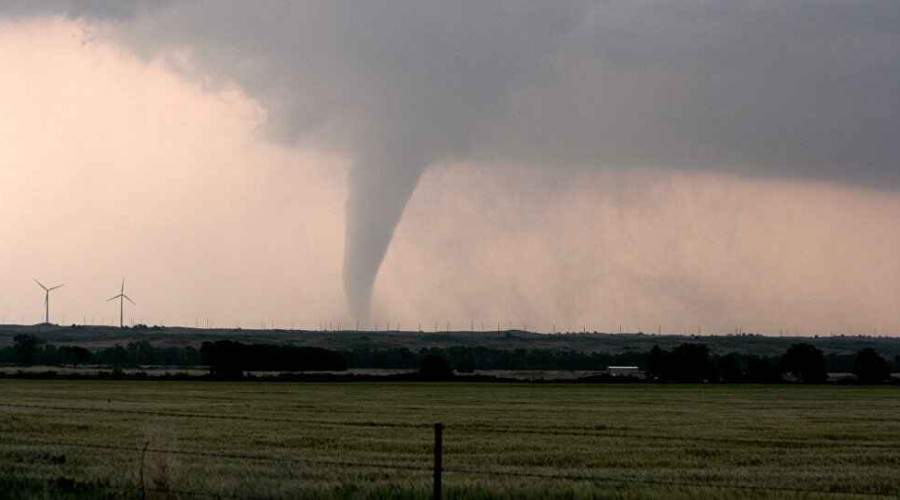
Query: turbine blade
{"points": [[114, 298], [40, 284], [54, 288], [123, 286], [128, 299]]}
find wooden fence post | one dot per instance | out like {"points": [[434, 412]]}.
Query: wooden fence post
{"points": [[438, 459]]}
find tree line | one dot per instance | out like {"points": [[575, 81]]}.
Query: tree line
{"points": [[688, 362], [28, 350]]}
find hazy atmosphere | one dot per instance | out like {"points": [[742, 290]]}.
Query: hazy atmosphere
{"points": [[682, 167]]}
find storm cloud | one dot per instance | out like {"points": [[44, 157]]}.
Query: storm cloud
{"points": [[804, 89]]}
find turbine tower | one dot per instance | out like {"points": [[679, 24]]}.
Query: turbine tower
{"points": [[122, 298], [47, 299]]}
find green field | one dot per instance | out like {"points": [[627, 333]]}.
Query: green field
{"points": [[84, 439]]}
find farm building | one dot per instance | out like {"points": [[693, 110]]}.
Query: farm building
{"points": [[624, 371]]}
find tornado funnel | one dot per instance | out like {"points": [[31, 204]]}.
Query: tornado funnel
{"points": [[378, 192]]}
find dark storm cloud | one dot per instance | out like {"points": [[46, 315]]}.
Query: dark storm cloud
{"points": [[802, 89]]}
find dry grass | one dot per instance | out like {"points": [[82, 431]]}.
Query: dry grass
{"points": [[84, 439]]}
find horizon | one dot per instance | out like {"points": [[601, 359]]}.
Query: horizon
{"points": [[142, 327]]}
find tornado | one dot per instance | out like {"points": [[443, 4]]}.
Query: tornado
{"points": [[379, 186]]}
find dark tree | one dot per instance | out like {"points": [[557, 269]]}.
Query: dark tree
{"points": [[657, 363], [229, 359], [223, 358], [435, 367], [730, 368], [686, 363], [761, 371], [870, 368], [805, 362], [140, 352], [691, 363], [25, 346], [75, 355], [118, 356]]}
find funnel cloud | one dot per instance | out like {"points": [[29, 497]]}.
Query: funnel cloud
{"points": [[800, 90]]}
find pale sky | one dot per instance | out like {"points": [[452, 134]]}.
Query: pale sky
{"points": [[118, 160]]}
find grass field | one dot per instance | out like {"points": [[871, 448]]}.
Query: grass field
{"points": [[84, 439]]}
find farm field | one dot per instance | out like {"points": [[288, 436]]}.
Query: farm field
{"points": [[104, 439]]}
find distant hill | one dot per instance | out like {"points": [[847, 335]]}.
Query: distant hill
{"points": [[93, 337]]}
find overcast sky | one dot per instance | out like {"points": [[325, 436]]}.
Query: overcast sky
{"points": [[675, 165]]}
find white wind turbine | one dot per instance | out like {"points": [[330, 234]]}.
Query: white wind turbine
{"points": [[47, 299], [122, 298]]}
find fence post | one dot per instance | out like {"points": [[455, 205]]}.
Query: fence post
{"points": [[438, 459]]}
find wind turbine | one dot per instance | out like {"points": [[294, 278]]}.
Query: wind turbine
{"points": [[122, 298], [47, 299]]}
